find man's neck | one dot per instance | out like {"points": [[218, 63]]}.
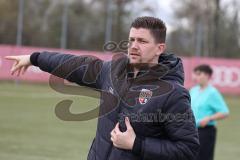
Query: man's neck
{"points": [[153, 62], [137, 69]]}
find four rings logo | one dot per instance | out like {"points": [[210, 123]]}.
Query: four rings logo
{"points": [[226, 76]]}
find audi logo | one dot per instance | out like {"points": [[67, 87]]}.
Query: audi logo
{"points": [[224, 76]]}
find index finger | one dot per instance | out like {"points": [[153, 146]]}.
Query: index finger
{"points": [[11, 57]]}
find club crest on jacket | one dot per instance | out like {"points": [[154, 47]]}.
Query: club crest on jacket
{"points": [[144, 96]]}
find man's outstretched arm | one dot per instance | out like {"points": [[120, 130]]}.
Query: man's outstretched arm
{"points": [[83, 70]]}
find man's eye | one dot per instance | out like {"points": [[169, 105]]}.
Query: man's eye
{"points": [[142, 41]]}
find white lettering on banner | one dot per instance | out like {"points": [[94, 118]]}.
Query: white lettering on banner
{"points": [[224, 76]]}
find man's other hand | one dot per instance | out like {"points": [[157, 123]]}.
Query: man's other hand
{"points": [[123, 140]]}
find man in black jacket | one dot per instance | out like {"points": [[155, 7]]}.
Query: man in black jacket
{"points": [[145, 112]]}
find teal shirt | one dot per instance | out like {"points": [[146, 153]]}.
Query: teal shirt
{"points": [[207, 102]]}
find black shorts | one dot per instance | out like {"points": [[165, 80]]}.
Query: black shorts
{"points": [[207, 138]]}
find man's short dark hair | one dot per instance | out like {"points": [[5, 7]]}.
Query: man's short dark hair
{"points": [[205, 69], [156, 26]]}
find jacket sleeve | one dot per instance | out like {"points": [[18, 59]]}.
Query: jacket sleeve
{"points": [[83, 70], [182, 142]]}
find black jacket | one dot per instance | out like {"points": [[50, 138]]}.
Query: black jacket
{"points": [[155, 101]]}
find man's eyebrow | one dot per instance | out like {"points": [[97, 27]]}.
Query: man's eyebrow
{"points": [[142, 39], [138, 38]]}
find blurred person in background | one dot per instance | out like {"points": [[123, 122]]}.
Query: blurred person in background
{"points": [[208, 106]]}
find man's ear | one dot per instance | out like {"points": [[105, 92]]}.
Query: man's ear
{"points": [[161, 48]]}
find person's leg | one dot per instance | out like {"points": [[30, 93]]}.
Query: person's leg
{"points": [[213, 142], [207, 138]]}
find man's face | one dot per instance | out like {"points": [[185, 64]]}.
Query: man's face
{"points": [[200, 77], [142, 47]]}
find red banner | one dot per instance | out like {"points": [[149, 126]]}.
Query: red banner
{"points": [[226, 75]]}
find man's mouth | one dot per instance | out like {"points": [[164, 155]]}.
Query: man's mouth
{"points": [[134, 54]]}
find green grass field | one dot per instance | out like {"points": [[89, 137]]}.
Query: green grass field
{"points": [[30, 130]]}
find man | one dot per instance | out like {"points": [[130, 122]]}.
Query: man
{"points": [[145, 112], [208, 106]]}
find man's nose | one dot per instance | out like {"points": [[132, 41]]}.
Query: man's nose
{"points": [[133, 45]]}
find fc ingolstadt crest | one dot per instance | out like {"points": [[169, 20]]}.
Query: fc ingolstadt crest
{"points": [[144, 96]]}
